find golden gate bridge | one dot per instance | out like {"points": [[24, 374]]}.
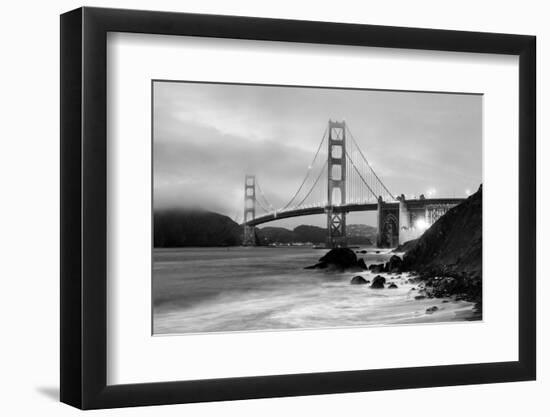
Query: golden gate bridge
{"points": [[340, 180]]}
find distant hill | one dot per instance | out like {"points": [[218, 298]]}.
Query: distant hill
{"points": [[269, 234], [313, 234], [361, 234], [178, 228], [357, 234]]}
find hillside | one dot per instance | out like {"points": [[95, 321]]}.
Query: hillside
{"points": [[180, 228], [452, 246], [361, 234], [311, 234], [357, 234], [270, 234], [177, 228]]}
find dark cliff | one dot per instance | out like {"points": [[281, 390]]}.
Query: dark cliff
{"points": [[452, 246], [177, 228]]}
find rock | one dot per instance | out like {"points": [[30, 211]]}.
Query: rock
{"points": [[340, 258], [431, 310], [419, 297], [361, 263], [445, 301], [363, 251], [358, 280], [319, 265], [404, 247], [376, 268], [413, 289], [378, 282], [392, 285], [394, 265], [459, 287]]}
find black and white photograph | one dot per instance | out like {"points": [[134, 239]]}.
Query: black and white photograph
{"points": [[288, 207], [264, 209]]}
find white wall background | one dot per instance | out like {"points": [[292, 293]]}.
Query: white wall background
{"points": [[29, 173]]}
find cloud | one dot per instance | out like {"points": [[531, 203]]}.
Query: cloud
{"points": [[208, 136]]}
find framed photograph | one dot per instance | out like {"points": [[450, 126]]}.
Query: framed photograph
{"points": [[257, 208]]}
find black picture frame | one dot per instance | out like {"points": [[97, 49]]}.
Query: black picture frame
{"points": [[84, 207]]}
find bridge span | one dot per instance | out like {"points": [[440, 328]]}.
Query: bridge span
{"points": [[345, 182], [398, 221], [414, 204]]}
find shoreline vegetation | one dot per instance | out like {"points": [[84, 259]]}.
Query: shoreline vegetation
{"points": [[446, 261]]}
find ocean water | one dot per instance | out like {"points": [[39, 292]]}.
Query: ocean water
{"points": [[258, 288]]}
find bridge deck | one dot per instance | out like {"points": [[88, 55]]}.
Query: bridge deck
{"points": [[349, 208]]}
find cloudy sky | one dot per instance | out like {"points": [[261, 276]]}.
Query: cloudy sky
{"points": [[206, 137]]}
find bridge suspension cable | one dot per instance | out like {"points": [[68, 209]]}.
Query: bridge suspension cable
{"points": [[315, 183], [265, 200], [309, 169], [361, 181], [360, 176], [368, 164]]}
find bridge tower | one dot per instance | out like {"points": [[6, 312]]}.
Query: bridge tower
{"points": [[249, 237], [336, 219], [389, 214]]}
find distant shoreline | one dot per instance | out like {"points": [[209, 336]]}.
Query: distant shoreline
{"points": [[267, 247]]}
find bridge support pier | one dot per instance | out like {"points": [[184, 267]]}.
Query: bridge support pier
{"points": [[336, 221], [388, 224], [249, 235], [336, 229]]}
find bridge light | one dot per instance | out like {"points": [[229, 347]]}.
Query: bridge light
{"points": [[421, 224]]}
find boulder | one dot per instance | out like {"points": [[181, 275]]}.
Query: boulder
{"points": [[340, 259], [395, 264], [358, 280], [431, 310], [361, 263], [363, 251], [419, 297], [392, 285], [376, 268], [378, 282]]}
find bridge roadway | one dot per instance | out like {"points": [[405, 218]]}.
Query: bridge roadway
{"points": [[411, 204]]}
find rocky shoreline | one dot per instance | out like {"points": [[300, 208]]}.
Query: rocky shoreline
{"points": [[445, 262], [388, 275]]}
